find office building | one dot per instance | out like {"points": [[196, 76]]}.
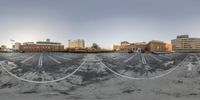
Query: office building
{"points": [[184, 43], [76, 44]]}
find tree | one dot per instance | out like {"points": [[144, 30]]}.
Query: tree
{"points": [[95, 46]]}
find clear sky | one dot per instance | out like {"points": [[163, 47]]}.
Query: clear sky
{"points": [[105, 22]]}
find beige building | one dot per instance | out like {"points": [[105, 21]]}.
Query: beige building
{"points": [[116, 47], [126, 46], [184, 43], [123, 45], [136, 47], [2, 48], [168, 47], [78, 43]]}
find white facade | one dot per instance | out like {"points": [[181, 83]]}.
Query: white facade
{"points": [[186, 44]]}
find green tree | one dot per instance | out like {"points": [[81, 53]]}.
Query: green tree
{"points": [[95, 46]]}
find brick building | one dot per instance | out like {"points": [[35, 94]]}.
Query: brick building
{"points": [[152, 46], [42, 46], [136, 47], [156, 46], [123, 45]]}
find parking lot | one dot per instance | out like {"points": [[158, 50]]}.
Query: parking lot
{"points": [[53, 66], [141, 65], [105, 74]]}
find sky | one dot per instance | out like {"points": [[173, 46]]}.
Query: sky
{"points": [[105, 22]]}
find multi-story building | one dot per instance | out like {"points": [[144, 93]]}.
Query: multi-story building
{"points": [[152, 46], [123, 45], [141, 46], [136, 47], [17, 46], [78, 43], [3, 48], [116, 47], [130, 47], [28, 43], [184, 43], [126, 46], [168, 47], [42, 46], [156, 46]]}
